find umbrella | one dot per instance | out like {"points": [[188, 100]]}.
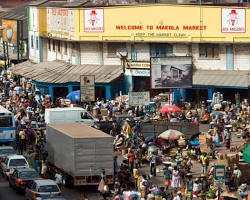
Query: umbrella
{"points": [[74, 96], [152, 148], [170, 108], [217, 113], [170, 134], [246, 153]]}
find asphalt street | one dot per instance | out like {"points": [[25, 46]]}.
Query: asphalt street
{"points": [[7, 193]]}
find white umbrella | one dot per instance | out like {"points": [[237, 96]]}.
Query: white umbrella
{"points": [[170, 134]]}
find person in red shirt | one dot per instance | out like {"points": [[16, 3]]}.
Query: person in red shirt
{"points": [[131, 160]]}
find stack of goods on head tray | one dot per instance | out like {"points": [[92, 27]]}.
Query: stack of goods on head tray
{"points": [[104, 112], [204, 139], [182, 142], [173, 151], [245, 172]]}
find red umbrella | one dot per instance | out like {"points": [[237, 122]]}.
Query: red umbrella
{"points": [[170, 108]]}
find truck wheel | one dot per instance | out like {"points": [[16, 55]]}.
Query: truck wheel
{"points": [[69, 181]]}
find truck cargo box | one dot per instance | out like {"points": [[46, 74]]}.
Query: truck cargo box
{"points": [[79, 150]]}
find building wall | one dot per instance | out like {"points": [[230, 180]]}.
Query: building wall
{"points": [[241, 57], [180, 49], [33, 50], [142, 51], [107, 60], [209, 63], [90, 53]]}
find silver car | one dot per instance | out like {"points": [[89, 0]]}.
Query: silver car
{"points": [[43, 189], [6, 151]]}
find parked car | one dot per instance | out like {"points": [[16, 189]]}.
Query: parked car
{"points": [[11, 162], [21, 178], [6, 151], [43, 189]]}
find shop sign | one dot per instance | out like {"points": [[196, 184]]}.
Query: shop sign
{"points": [[87, 88], [93, 20], [138, 72], [233, 20], [138, 65], [60, 21], [139, 98], [9, 33], [219, 172], [171, 72]]}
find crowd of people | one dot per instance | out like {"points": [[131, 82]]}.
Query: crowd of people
{"points": [[131, 181]]}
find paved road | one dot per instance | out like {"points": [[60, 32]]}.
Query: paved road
{"points": [[7, 193]]}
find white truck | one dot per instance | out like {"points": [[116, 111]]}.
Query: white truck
{"points": [[79, 152], [68, 115]]}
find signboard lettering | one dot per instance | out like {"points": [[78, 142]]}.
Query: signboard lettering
{"points": [[87, 88], [139, 98], [233, 20]]}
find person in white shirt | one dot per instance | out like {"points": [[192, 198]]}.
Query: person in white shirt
{"points": [[58, 178]]}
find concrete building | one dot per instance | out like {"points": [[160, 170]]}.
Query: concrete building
{"points": [[138, 39]]}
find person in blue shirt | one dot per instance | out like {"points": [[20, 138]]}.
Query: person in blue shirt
{"points": [[167, 177]]}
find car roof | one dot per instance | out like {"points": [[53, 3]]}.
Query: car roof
{"points": [[6, 147], [15, 156], [25, 169], [45, 182]]}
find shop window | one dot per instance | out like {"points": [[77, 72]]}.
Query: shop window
{"points": [[49, 45], [59, 46], [65, 48], [208, 50], [113, 48], [37, 42], [32, 41], [53, 45], [161, 50], [75, 48]]}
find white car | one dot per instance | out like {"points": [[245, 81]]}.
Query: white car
{"points": [[43, 189], [11, 162]]}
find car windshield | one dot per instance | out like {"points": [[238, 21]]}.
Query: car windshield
{"points": [[48, 188], [29, 175], [17, 162], [7, 151]]}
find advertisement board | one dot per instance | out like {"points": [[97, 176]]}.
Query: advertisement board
{"points": [[233, 20], [93, 20], [171, 72], [87, 88], [9, 33], [219, 172], [60, 21], [139, 98]]}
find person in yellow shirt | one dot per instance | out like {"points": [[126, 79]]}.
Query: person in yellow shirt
{"points": [[126, 128], [204, 160], [22, 141], [136, 176]]}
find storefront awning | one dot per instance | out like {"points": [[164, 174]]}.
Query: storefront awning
{"points": [[222, 78], [63, 72]]}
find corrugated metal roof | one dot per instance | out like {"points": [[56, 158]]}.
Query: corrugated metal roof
{"points": [[38, 2], [62, 72], [226, 78]]}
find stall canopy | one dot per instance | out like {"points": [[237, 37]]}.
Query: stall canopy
{"points": [[222, 78], [63, 72]]}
